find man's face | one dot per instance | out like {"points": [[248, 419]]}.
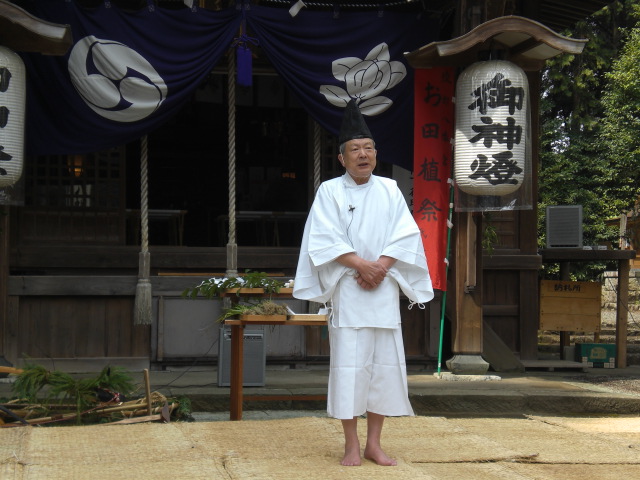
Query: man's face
{"points": [[359, 159]]}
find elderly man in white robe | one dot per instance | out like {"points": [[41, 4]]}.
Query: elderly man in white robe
{"points": [[360, 247]]}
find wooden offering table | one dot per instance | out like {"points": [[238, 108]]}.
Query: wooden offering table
{"points": [[237, 366], [237, 346]]}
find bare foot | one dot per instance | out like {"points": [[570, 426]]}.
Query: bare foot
{"points": [[376, 454], [351, 457]]}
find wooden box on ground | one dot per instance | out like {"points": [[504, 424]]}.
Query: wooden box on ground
{"points": [[570, 306]]}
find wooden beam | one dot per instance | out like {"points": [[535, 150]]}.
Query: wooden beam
{"points": [[97, 285], [22, 32], [497, 353], [511, 262], [4, 274], [522, 39], [42, 257], [580, 255]]}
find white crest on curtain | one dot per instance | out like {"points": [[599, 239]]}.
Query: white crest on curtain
{"points": [[123, 87], [365, 80]]}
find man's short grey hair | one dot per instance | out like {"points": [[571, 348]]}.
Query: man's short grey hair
{"points": [[343, 146]]}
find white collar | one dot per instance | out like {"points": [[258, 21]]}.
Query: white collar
{"points": [[350, 182]]}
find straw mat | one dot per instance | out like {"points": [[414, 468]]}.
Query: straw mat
{"points": [[310, 448], [555, 440]]}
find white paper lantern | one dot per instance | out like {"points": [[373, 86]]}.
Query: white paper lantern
{"points": [[12, 105], [491, 128]]}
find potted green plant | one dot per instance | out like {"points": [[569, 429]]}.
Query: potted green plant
{"points": [[255, 288]]}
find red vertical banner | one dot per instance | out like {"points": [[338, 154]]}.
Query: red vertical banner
{"points": [[433, 131]]}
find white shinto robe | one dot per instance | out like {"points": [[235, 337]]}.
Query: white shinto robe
{"points": [[371, 220]]}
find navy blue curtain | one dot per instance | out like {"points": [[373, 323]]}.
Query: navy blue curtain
{"points": [[127, 73], [326, 58]]}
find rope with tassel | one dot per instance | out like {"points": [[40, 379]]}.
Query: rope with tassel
{"points": [[142, 313]]}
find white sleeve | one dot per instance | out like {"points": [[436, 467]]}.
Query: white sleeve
{"points": [[324, 240]]}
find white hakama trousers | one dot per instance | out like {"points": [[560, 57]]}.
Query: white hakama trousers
{"points": [[367, 373]]}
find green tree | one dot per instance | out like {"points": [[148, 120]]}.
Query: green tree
{"points": [[575, 167], [621, 126]]}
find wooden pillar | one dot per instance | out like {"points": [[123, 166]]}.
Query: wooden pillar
{"points": [[467, 319], [622, 306], [467, 275], [565, 337], [4, 274], [529, 279], [467, 325], [468, 315], [237, 368]]}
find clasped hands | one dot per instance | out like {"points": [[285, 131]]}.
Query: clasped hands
{"points": [[370, 274]]}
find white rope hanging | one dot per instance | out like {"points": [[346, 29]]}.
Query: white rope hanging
{"points": [[232, 247], [144, 195], [142, 314]]}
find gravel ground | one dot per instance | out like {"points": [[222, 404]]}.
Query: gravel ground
{"points": [[612, 382], [615, 382]]}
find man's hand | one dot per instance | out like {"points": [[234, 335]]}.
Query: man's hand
{"points": [[369, 274]]}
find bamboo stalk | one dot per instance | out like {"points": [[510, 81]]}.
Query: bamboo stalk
{"points": [[132, 405], [147, 388], [70, 416], [54, 406], [35, 421], [140, 406], [127, 421], [165, 416], [16, 371]]}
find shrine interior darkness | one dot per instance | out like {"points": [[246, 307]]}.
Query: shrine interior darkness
{"points": [[189, 163]]}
